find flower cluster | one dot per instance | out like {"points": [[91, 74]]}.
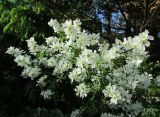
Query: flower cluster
{"points": [[92, 66], [110, 115]]}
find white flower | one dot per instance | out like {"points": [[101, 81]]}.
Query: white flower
{"points": [[14, 51], [111, 91], [110, 115], [75, 113], [110, 54], [88, 58], [78, 74], [32, 45], [51, 62], [84, 39], [82, 90], [47, 94], [134, 109], [10, 50], [41, 81], [150, 37], [31, 72], [55, 25], [42, 49], [71, 29], [56, 45], [116, 93], [52, 40], [104, 115], [77, 23], [51, 23], [62, 65], [23, 60], [145, 80], [49, 40], [42, 60], [144, 36]]}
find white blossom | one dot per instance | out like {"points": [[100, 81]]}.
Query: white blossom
{"points": [[78, 74], [55, 25], [71, 29], [145, 80], [42, 60], [47, 94], [41, 81], [75, 113], [51, 62], [62, 65], [88, 58], [82, 90], [31, 72], [134, 109], [14, 51], [23, 60], [110, 115], [32, 45], [116, 93]]}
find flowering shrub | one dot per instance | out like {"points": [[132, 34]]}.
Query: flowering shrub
{"points": [[111, 74]]}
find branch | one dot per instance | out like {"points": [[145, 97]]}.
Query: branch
{"points": [[148, 21], [121, 10], [152, 3]]}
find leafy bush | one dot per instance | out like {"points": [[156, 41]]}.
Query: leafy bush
{"points": [[110, 80], [24, 18], [42, 112]]}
